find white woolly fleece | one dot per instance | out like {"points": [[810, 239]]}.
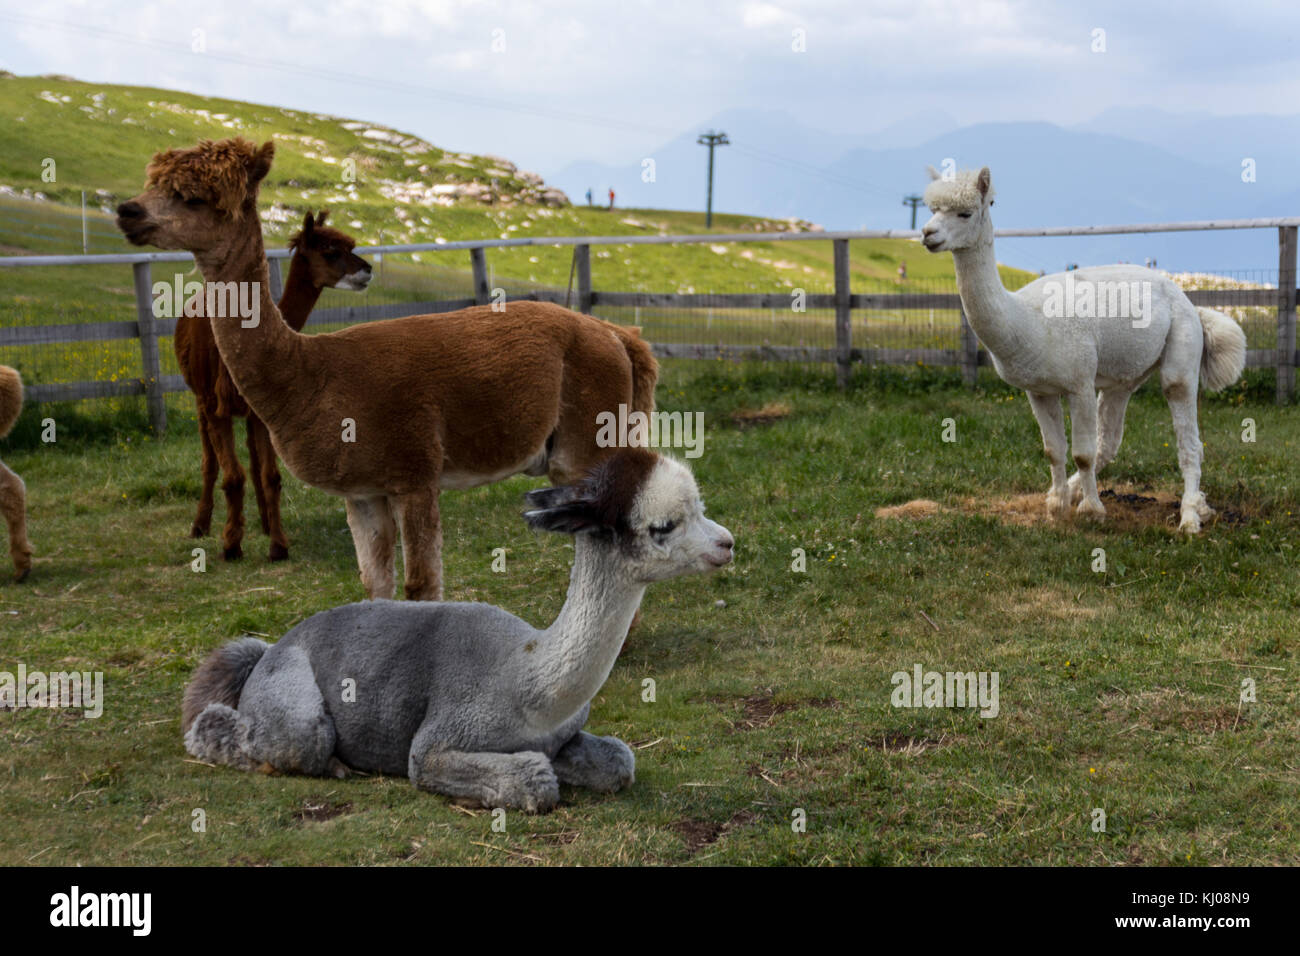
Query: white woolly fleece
{"points": [[955, 195]]}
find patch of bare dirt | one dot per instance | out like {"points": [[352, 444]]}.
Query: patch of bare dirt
{"points": [[744, 418], [701, 833], [1170, 709], [318, 811], [760, 709]]}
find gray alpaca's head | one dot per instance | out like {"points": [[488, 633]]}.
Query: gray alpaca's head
{"points": [[646, 508], [961, 210]]}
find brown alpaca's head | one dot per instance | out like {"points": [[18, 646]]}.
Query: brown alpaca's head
{"points": [[328, 254], [202, 199]]}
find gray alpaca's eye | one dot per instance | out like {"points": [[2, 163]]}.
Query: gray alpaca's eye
{"points": [[662, 528], [963, 215]]}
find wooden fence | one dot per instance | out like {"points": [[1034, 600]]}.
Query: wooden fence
{"points": [[969, 356]]}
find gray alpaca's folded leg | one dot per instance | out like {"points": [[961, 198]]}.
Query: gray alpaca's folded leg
{"points": [[213, 737], [597, 763], [518, 781], [282, 717]]}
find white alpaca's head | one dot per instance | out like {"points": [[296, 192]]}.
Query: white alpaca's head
{"points": [[646, 508], [961, 211]]}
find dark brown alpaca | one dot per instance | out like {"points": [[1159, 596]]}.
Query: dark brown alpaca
{"points": [[323, 259], [385, 414]]}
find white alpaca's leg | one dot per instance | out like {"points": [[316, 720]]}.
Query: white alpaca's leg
{"points": [[597, 763], [1179, 374], [283, 720], [1083, 445], [1111, 406], [1051, 422], [1182, 405], [374, 535]]}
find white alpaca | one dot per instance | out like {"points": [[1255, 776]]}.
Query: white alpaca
{"points": [[1093, 335]]}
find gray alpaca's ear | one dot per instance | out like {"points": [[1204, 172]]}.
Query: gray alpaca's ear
{"points": [[571, 517], [984, 181], [933, 173]]}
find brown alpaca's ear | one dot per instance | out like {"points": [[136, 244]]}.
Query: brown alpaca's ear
{"points": [[321, 217], [260, 164], [307, 224]]}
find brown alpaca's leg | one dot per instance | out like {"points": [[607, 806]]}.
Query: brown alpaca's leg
{"points": [[418, 519], [267, 478], [374, 535], [13, 505], [203, 520], [223, 442], [255, 471]]}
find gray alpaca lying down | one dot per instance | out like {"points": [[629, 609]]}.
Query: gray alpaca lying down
{"points": [[467, 699]]}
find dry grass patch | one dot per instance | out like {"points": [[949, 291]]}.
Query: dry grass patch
{"points": [[1127, 509], [1056, 603], [771, 412]]}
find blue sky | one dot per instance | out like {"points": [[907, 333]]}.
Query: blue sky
{"points": [[548, 83]]}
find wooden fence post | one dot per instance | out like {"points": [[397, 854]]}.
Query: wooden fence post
{"points": [[148, 331], [1286, 305], [970, 353], [277, 281], [843, 314], [478, 260], [582, 256]]}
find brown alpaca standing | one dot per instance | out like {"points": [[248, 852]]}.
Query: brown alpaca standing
{"points": [[387, 413], [13, 493], [323, 259]]}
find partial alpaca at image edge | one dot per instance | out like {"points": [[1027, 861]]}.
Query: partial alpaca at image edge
{"points": [[387, 413], [323, 259], [466, 699], [13, 493], [1096, 363]]}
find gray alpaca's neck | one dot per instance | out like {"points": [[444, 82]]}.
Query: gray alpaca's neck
{"points": [[996, 315], [576, 653], [264, 360]]}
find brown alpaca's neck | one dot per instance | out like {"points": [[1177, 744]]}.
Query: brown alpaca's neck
{"points": [[264, 357], [300, 293]]}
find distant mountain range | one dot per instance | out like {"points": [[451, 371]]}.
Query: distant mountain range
{"points": [[1122, 166]]}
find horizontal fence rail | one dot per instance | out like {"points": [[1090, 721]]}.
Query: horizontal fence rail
{"points": [[842, 302]]}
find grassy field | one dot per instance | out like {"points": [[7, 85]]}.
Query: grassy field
{"points": [[1119, 690]]}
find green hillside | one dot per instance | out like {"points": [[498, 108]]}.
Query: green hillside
{"points": [[405, 190]]}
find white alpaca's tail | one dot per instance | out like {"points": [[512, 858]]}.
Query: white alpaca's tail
{"points": [[1224, 355]]}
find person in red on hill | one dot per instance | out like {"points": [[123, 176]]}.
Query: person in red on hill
{"points": [[611, 198]]}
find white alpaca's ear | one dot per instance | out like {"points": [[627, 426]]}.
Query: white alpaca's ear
{"points": [[934, 173], [984, 182]]}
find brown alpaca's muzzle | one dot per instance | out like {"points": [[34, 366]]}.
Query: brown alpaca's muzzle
{"points": [[133, 221]]}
